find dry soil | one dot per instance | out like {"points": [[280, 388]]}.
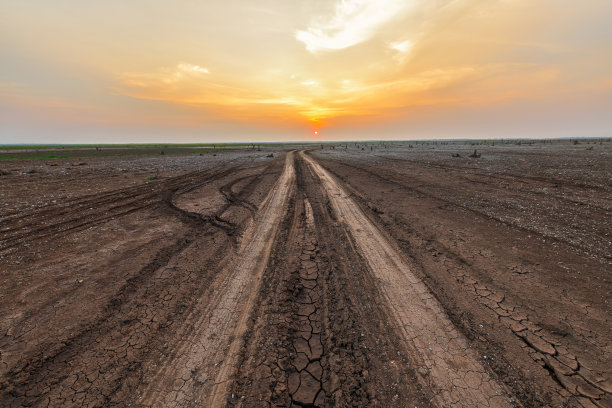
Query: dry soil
{"points": [[379, 274]]}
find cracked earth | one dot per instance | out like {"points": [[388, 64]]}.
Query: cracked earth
{"points": [[312, 278]]}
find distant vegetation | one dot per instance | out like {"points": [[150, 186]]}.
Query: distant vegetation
{"points": [[118, 146], [76, 151]]}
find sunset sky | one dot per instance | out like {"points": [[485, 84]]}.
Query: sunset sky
{"points": [[277, 70]]}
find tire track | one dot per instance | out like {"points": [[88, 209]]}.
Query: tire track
{"points": [[452, 368], [579, 382], [95, 365], [96, 210], [505, 176], [546, 234], [233, 198], [200, 368], [319, 335]]}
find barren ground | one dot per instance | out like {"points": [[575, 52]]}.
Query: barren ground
{"points": [[380, 274]]}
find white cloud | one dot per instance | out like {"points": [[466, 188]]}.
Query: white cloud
{"points": [[353, 22], [402, 49], [192, 69], [402, 46]]}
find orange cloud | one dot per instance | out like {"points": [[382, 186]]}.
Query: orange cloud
{"points": [[292, 100]]}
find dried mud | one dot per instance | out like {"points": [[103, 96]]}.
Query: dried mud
{"points": [[392, 276]]}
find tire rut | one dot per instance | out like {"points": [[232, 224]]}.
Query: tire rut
{"points": [[319, 335], [576, 245], [96, 210], [453, 370], [578, 383], [506, 176], [233, 198], [199, 367], [104, 359]]}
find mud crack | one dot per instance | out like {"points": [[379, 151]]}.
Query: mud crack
{"points": [[305, 378]]}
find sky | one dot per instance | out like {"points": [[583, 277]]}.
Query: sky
{"points": [[74, 71]]}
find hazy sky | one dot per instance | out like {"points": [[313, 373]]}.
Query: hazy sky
{"points": [[238, 70]]}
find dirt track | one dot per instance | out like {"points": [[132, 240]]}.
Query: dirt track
{"points": [[326, 278]]}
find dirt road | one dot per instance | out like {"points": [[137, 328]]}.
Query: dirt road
{"points": [[309, 279], [216, 326], [453, 370]]}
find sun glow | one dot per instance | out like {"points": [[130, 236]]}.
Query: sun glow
{"points": [[313, 89], [342, 65]]}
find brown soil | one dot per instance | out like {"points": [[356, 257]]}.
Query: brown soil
{"points": [[388, 276]]}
